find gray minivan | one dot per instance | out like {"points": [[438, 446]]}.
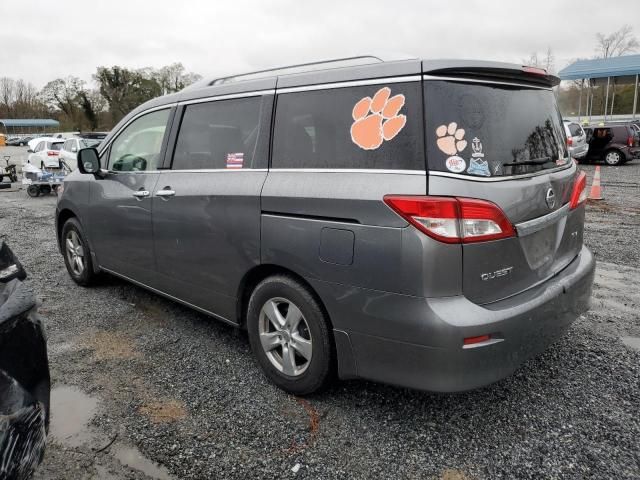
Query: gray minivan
{"points": [[413, 222]]}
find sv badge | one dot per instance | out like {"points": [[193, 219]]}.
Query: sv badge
{"points": [[498, 273]]}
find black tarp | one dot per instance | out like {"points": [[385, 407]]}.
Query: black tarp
{"points": [[24, 374]]}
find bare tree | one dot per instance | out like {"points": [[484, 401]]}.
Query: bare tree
{"points": [[618, 43], [546, 61]]}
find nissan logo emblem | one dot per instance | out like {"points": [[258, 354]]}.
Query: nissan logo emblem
{"points": [[550, 198]]}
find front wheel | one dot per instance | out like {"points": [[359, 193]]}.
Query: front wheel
{"points": [[613, 158], [33, 190], [76, 252], [290, 335]]}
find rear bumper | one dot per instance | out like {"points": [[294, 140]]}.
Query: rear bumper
{"points": [[579, 151], [418, 342]]}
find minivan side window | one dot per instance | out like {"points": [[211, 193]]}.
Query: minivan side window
{"points": [[218, 135], [313, 129], [137, 147]]}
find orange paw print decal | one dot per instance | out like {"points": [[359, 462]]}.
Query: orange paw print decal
{"points": [[376, 119]]}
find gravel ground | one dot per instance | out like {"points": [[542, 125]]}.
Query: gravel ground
{"points": [[173, 387]]}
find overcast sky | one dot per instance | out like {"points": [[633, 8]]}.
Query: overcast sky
{"points": [[41, 40]]}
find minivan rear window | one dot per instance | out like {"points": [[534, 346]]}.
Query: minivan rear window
{"points": [[321, 128], [492, 130]]}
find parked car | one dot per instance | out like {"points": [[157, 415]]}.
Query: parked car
{"points": [[94, 135], [69, 150], [576, 140], [19, 141], [46, 153], [24, 374], [338, 229], [614, 144]]}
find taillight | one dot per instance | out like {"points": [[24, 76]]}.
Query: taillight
{"points": [[579, 193], [569, 141], [52, 153], [534, 70], [453, 219], [630, 141]]}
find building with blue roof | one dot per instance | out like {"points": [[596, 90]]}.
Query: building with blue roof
{"points": [[600, 72], [27, 125]]}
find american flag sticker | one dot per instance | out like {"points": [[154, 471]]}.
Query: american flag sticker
{"points": [[235, 160]]}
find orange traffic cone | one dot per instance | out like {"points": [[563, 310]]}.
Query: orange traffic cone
{"points": [[596, 190]]}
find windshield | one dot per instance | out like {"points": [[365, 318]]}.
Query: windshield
{"points": [[492, 130]]}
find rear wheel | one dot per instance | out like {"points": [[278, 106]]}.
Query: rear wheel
{"points": [[76, 252], [33, 190], [290, 335], [613, 158]]}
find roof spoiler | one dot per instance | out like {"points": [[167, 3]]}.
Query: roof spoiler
{"points": [[490, 71]]}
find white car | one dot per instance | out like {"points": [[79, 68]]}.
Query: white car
{"points": [[46, 153], [70, 148]]}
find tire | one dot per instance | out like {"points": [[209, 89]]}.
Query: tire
{"points": [[75, 245], [33, 190], [45, 190], [613, 158], [300, 358]]}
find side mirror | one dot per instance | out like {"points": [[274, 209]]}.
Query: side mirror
{"points": [[29, 151], [88, 161]]}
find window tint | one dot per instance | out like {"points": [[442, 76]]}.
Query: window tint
{"points": [[54, 146], [313, 130], [575, 129], [39, 147], [218, 135], [492, 130], [138, 146]]}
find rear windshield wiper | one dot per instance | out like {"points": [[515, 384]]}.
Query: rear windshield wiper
{"points": [[533, 161]]}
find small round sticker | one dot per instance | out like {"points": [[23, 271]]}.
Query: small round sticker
{"points": [[456, 164]]}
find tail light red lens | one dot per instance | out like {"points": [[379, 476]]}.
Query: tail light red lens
{"points": [[453, 219], [630, 141], [569, 141], [579, 193], [52, 153]]}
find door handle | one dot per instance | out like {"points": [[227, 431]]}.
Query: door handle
{"points": [[165, 193], [141, 193]]}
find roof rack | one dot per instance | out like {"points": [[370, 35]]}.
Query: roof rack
{"points": [[259, 73]]}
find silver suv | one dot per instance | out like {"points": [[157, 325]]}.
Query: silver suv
{"points": [[576, 140], [418, 223]]}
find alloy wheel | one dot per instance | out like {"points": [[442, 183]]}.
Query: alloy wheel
{"points": [[75, 252], [285, 336]]}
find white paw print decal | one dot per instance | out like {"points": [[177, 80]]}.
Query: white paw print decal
{"points": [[451, 138]]}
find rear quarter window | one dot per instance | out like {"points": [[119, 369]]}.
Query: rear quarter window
{"points": [[317, 128]]}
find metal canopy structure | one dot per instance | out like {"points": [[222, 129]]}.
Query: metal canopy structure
{"points": [[27, 124], [623, 70]]}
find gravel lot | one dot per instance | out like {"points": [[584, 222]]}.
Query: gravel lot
{"points": [[181, 397]]}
